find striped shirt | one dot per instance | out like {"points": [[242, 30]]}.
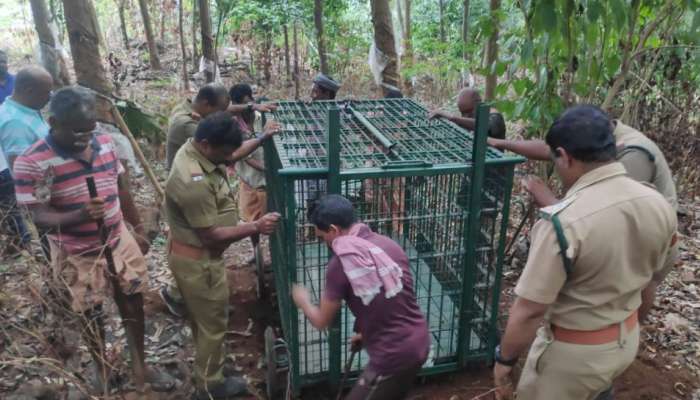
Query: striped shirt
{"points": [[20, 127], [46, 174]]}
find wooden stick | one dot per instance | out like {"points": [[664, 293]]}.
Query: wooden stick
{"points": [[137, 150]]}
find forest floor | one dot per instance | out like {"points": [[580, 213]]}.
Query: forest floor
{"points": [[41, 356]]}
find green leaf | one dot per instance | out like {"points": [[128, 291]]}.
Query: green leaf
{"points": [[618, 9], [612, 64], [594, 10], [545, 18], [521, 85], [527, 51]]}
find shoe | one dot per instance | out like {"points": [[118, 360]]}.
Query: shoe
{"points": [[175, 308], [231, 386]]}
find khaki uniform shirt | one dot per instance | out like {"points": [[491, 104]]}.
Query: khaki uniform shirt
{"points": [[640, 166], [619, 233], [181, 126], [248, 174], [197, 195]]}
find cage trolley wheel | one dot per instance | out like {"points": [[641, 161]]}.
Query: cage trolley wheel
{"points": [[277, 364]]}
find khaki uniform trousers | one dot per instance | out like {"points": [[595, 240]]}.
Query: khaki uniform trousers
{"points": [[205, 291], [557, 370]]}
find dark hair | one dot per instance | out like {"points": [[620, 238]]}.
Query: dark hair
{"points": [[211, 93], [218, 129], [332, 209], [72, 103], [585, 132], [239, 92]]}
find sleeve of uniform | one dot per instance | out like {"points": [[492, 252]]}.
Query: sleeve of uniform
{"points": [[638, 165], [672, 254], [544, 274], [197, 201], [28, 177]]}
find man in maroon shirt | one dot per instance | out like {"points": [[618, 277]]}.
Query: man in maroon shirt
{"points": [[389, 324]]}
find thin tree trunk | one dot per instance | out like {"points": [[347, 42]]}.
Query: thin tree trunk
{"points": [[399, 15], [121, 6], [384, 40], [162, 21], [207, 41], [296, 60], [442, 20], [195, 23], [407, 59], [83, 34], [465, 30], [150, 39], [492, 52], [286, 52], [51, 57], [630, 50], [181, 31], [318, 20]]}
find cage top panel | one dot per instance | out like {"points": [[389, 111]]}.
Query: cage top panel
{"points": [[374, 134]]}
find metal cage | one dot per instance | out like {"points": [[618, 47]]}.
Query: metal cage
{"points": [[428, 184]]}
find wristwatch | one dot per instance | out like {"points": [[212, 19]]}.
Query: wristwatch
{"points": [[499, 359]]}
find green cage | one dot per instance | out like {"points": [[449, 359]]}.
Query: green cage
{"points": [[428, 184]]}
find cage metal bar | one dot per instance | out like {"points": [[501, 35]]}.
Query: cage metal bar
{"points": [[477, 179], [334, 187]]}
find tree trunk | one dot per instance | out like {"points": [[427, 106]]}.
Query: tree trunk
{"points": [[51, 57], [399, 15], [181, 31], [152, 48], [121, 6], [465, 30], [207, 41], [318, 20], [286, 52], [442, 20], [296, 60], [267, 56], [492, 52], [195, 23], [384, 40], [83, 34], [407, 57], [162, 21]]}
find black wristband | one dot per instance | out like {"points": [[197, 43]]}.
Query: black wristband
{"points": [[499, 359], [250, 107]]}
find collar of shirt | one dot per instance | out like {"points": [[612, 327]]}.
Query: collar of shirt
{"points": [[94, 143], [7, 79], [9, 102], [207, 165], [597, 175]]}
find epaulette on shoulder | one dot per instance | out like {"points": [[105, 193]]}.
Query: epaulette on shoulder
{"points": [[550, 214], [550, 211]]}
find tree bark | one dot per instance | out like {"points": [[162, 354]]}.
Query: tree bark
{"points": [[195, 23], [286, 52], [318, 21], [492, 52], [465, 29], [150, 39], [121, 5], [162, 21], [407, 57], [384, 40], [181, 31], [207, 41], [296, 60], [84, 37], [442, 20], [51, 57]]}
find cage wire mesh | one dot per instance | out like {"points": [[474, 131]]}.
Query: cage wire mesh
{"points": [[409, 178]]}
